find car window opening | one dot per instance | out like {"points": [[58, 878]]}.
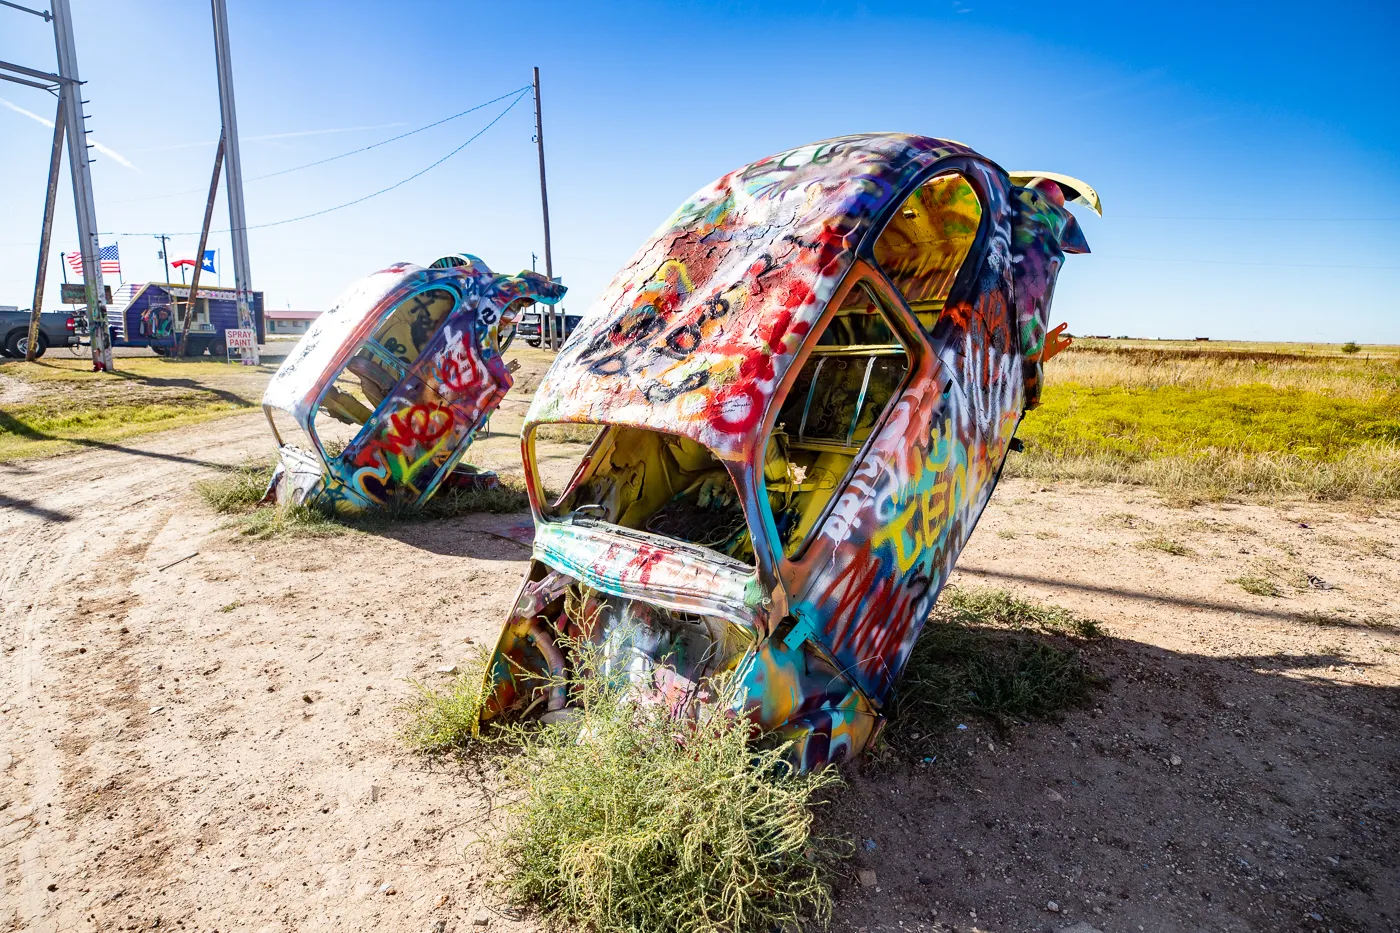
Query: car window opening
{"points": [[838, 398], [406, 330], [659, 483], [379, 364], [926, 242]]}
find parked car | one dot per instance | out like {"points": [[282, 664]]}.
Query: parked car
{"points": [[56, 329], [805, 385], [387, 389], [531, 328]]}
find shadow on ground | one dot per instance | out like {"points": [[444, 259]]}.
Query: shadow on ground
{"points": [[1200, 793]]}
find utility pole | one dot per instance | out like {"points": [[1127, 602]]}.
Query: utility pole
{"points": [[233, 175], [165, 254], [70, 102], [190, 301], [547, 315], [40, 276]]}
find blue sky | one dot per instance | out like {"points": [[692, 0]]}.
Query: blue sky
{"points": [[1246, 154]]}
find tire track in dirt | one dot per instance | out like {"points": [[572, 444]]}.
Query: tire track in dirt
{"points": [[76, 533]]}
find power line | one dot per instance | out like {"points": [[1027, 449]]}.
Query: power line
{"points": [[297, 168], [393, 139], [277, 223], [1244, 262], [1264, 220]]}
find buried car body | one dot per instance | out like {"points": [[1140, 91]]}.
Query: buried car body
{"points": [[386, 390], [806, 384]]}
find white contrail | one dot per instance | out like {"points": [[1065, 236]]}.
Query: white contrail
{"points": [[112, 154], [266, 136]]}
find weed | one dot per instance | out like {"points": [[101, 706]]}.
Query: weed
{"points": [[237, 489], [446, 720], [1257, 585], [629, 818], [632, 820], [1166, 545], [568, 433], [977, 656], [231, 606], [998, 607], [1006, 533]]}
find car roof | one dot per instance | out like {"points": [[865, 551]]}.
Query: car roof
{"points": [[693, 336]]}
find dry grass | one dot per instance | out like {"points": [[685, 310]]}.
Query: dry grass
{"points": [[626, 818], [238, 491], [988, 653], [1166, 546], [1204, 423]]}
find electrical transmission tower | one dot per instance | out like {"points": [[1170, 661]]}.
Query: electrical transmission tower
{"points": [[69, 122]]}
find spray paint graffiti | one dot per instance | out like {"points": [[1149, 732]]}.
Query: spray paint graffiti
{"points": [[835, 345], [391, 385]]}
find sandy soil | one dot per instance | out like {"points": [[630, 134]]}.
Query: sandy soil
{"points": [[198, 731]]}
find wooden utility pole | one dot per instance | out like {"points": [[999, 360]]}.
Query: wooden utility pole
{"points": [[55, 164], [551, 332], [199, 260], [233, 178]]}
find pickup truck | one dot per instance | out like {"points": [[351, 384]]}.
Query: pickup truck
{"points": [[56, 329], [530, 331]]}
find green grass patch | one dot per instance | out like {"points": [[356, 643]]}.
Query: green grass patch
{"points": [[1257, 585], [1217, 441], [1166, 546], [442, 720], [987, 653], [62, 406], [52, 427], [238, 491]]}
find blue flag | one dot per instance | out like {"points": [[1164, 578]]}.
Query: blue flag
{"points": [[208, 261]]}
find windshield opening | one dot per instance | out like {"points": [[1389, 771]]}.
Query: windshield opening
{"points": [[659, 483]]}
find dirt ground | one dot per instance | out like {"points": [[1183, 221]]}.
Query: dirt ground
{"points": [[198, 731]]}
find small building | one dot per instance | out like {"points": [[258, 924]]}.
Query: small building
{"points": [[289, 322]]}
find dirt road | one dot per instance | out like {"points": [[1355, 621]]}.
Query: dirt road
{"points": [[197, 731]]}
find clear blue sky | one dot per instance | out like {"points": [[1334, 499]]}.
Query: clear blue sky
{"points": [[1247, 155]]}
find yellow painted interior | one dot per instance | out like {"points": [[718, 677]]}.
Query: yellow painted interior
{"points": [[854, 371], [924, 245]]}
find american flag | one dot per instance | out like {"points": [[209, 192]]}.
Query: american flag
{"points": [[108, 256]]}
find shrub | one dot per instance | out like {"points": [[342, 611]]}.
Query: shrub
{"points": [[632, 820], [1351, 346], [988, 653]]}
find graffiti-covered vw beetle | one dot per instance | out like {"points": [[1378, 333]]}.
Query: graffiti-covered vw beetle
{"points": [[387, 389], [806, 383]]}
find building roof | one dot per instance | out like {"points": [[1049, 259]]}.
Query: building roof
{"points": [[694, 335], [290, 315]]}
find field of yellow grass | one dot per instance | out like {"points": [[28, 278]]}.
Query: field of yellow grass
{"points": [[1209, 420]]}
